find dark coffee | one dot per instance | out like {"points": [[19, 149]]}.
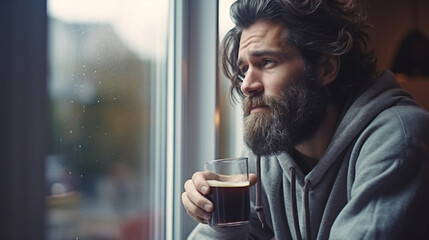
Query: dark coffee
{"points": [[231, 203]]}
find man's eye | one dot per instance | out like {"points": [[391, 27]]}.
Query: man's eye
{"points": [[243, 70], [267, 61]]}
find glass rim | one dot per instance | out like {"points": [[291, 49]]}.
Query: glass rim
{"points": [[225, 159]]}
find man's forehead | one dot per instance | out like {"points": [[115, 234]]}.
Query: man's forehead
{"points": [[263, 34]]}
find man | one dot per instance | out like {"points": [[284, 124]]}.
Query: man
{"points": [[343, 151]]}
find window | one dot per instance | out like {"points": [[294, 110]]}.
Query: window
{"points": [[101, 129], [107, 78]]}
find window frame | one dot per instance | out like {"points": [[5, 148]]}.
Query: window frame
{"points": [[191, 101], [23, 121]]}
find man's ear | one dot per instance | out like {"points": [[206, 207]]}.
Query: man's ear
{"points": [[328, 69]]}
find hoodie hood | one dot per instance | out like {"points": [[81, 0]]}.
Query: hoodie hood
{"points": [[379, 95]]}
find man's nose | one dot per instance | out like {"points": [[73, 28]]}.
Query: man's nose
{"points": [[252, 83]]}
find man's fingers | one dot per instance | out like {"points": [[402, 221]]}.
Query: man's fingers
{"points": [[196, 198], [193, 210], [200, 183], [200, 180], [253, 179]]}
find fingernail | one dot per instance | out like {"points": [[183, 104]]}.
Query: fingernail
{"points": [[207, 207], [204, 189]]}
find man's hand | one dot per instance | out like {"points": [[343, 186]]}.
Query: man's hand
{"points": [[196, 205]]}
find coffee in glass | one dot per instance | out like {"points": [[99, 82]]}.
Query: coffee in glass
{"points": [[229, 191]]}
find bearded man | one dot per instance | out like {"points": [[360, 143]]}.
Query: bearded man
{"points": [[342, 150]]}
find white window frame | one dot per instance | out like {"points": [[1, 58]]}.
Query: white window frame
{"points": [[192, 74]]}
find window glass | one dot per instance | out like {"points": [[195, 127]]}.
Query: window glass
{"points": [[107, 67]]}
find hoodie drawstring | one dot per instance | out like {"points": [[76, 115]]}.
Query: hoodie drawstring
{"points": [[295, 208], [307, 209], [258, 208]]}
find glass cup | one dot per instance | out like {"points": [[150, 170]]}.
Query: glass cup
{"points": [[229, 191]]}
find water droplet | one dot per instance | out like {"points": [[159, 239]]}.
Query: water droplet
{"points": [[70, 173], [99, 82], [71, 131], [71, 101], [84, 66], [114, 99], [95, 71], [80, 146], [81, 176]]}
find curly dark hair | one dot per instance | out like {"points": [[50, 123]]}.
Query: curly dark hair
{"points": [[317, 28]]}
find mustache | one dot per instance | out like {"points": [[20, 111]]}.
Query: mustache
{"points": [[255, 101]]}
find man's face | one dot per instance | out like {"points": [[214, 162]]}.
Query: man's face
{"points": [[283, 105]]}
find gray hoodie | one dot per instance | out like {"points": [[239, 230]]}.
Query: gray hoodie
{"points": [[371, 183]]}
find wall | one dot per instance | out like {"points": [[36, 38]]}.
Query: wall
{"points": [[392, 21]]}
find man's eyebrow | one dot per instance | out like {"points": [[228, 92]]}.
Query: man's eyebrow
{"points": [[265, 52], [259, 53]]}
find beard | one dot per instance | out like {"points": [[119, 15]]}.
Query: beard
{"points": [[293, 119]]}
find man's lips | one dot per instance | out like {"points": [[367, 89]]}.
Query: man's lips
{"points": [[259, 108]]}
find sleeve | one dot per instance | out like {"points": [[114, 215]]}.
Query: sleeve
{"points": [[204, 231], [389, 195]]}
